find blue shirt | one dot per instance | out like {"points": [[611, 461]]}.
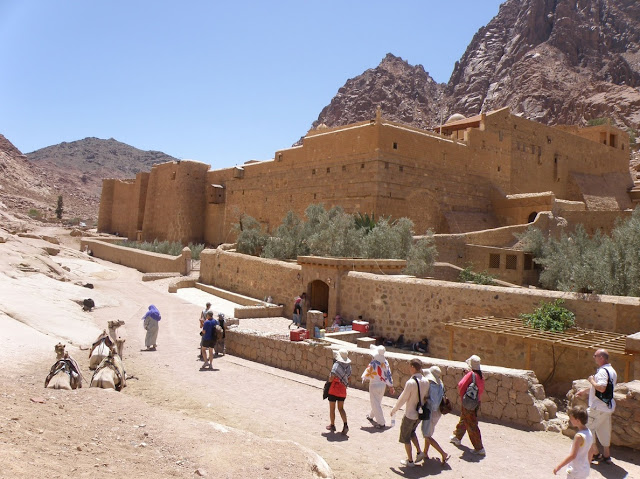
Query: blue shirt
{"points": [[208, 327]]}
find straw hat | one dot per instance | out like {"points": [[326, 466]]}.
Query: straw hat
{"points": [[342, 356], [474, 362]]}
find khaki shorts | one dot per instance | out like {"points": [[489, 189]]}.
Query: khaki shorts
{"points": [[599, 424], [408, 429]]}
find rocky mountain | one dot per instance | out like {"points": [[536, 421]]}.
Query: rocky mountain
{"points": [[33, 182], [553, 61]]}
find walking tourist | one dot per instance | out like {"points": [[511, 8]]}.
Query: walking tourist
{"points": [[416, 390], [579, 457], [470, 387], [436, 393], [378, 374], [151, 319], [601, 405], [208, 340], [297, 312], [339, 377]]}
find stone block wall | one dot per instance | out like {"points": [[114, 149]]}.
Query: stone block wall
{"points": [[511, 395], [626, 417]]}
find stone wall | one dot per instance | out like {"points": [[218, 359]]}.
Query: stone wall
{"points": [[626, 417], [143, 261], [511, 395]]}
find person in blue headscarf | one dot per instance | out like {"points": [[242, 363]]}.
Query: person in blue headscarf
{"points": [[151, 320]]}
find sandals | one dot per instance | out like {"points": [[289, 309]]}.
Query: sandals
{"points": [[331, 427], [345, 430]]}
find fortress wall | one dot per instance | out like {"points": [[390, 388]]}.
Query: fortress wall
{"points": [[175, 203], [252, 276], [143, 261], [511, 395], [123, 199], [106, 206], [137, 207]]}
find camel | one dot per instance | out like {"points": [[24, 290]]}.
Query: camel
{"points": [[117, 334], [110, 374], [100, 349], [65, 373]]}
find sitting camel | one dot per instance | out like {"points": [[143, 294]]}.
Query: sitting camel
{"points": [[65, 373], [110, 374], [117, 334], [100, 349]]}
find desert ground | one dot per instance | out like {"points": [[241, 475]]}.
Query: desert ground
{"points": [[240, 420]]}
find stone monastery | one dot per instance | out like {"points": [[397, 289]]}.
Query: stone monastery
{"points": [[471, 174]]}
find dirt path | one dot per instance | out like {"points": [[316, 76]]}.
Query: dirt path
{"points": [[174, 419]]}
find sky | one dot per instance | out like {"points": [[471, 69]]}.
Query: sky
{"points": [[217, 82]]}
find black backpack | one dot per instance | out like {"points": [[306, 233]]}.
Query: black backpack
{"points": [[607, 395]]}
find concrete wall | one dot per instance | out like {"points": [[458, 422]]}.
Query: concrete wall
{"points": [[143, 261], [511, 396]]}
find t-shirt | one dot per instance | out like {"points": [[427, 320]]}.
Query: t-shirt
{"points": [[208, 327], [601, 379]]}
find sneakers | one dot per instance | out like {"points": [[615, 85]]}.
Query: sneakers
{"points": [[407, 463], [605, 460], [454, 440], [419, 457], [597, 457], [479, 452]]}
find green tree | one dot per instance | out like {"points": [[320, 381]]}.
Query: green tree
{"points": [[287, 241], [550, 317], [59, 208], [251, 238], [422, 255]]}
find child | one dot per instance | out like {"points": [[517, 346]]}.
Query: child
{"points": [[579, 459]]}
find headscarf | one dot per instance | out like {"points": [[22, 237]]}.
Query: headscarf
{"points": [[153, 313], [378, 369]]}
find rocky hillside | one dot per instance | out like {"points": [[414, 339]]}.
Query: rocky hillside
{"points": [[32, 183], [554, 61]]}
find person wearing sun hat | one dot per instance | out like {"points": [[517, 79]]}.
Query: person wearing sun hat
{"points": [[339, 377], [469, 418], [436, 393], [378, 374]]}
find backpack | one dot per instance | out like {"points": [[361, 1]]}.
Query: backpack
{"points": [[470, 399], [607, 395]]}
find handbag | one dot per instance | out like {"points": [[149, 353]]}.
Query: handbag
{"points": [[445, 405], [338, 389], [325, 390], [424, 413]]}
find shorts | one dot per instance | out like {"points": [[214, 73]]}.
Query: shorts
{"points": [[599, 424], [208, 343], [408, 429], [333, 398]]}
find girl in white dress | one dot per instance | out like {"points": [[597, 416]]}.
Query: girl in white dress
{"points": [[579, 459]]}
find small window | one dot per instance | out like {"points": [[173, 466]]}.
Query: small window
{"points": [[501, 135], [528, 262], [328, 170], [313, 172], [362, 166], [401, 168], [494, 261], [344, 167], [395, 145], [173, 175], [279, 156], [498, 169], [314, 196], [512, 261]]}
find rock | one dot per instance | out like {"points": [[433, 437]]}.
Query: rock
{"points": [[51, 251], [200, 472]]}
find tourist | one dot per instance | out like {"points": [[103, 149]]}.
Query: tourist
{"points": [[297, 312], [203, 318], [339, 377], [209, 334], [151, 319], [415, 387], [578, 458], [601, 405], [436, 393], [469, 416], [219, 347], [378, 374], [421, 346]]}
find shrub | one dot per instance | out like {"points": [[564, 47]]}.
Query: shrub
{"points": [[468, 274], [422, 256], [33, 213], [550, 317], [251, 238], [164, 247]]}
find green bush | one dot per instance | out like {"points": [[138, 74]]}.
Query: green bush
{"points": [[33, 213], [598, 121], [251, 238], [550, 317], [164, 247], [422, 255], [468, 275]]}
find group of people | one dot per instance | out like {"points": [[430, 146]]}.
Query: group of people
{"points": [[212, 336], [424, 390]]}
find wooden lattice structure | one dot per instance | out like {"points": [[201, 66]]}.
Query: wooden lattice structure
{"points": [[575, 338]]}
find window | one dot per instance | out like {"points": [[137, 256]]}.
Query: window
{"points": [[313, 172], [395, 145], [613, 140], [328, 170], [494, 261], [362, 166], [512, 261]]}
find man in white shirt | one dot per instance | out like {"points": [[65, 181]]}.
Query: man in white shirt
{"points": [[601, 405], [410, 420]]}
